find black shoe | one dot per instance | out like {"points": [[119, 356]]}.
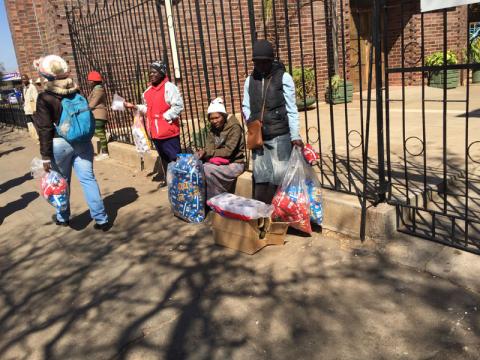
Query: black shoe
{"points": [[103, 227], [60, 223]]}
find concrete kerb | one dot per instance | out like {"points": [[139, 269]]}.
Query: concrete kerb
{"points": [[342, 211]]}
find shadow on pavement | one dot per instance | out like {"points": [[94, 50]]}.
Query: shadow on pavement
{"points": [[113, 203], [157, 288], [6, 152], [7, 185], [17, 205]]}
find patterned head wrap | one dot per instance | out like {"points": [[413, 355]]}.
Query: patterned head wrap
{"points": [[160, 66], [52, 67]]}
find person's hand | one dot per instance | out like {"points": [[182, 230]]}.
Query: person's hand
{"points": [[129, 105], [200, 154], [47, 166], [298, 143]]}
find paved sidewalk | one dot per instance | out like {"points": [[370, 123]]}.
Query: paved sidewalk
{"points": [[154, 287]]}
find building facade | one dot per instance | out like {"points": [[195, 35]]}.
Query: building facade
{"points": [[212, 46]]}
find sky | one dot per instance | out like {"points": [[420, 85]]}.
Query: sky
{"points": [[7, 54]]}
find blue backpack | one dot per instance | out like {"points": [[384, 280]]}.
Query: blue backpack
{"points": [[76, 122]]}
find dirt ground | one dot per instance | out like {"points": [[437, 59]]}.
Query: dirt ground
{"points": [[154, 287]]}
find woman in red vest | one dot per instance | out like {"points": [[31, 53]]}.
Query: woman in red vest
{"points": [[163, 104]]}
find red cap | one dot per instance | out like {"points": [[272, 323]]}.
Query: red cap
{"points": [[94, 76]]}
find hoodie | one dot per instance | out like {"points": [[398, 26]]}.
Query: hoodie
{"points": [[227, 143]]}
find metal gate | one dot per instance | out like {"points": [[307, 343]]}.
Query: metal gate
{"points": [[358, 66], [432, 130], [207, 45]]}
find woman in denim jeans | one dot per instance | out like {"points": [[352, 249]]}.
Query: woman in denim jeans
{"points": [[56, 152]]}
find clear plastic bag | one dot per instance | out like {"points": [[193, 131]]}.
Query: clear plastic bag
{"points": [[314, 189], [117, 103], [239, 207], [36, 168], [186, 188], [54, 187], [291, 202], [140, 137]]}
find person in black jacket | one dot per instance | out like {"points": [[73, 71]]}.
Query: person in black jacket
{"points": [[57, 153], [270, 91]]}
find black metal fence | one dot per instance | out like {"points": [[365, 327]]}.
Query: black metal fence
{"points": [[13, 115], [381, 98], [433, 177], [207, 46]]}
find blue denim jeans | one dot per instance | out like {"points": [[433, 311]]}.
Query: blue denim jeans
{"points": [[80, 157]]}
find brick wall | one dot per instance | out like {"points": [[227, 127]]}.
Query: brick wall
{"points": [[228, 44], [38, 28], [120, 39], [412, 36]]}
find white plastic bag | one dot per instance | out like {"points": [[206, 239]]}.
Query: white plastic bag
{"points": [[239, 207], [140, 137], [36, 168], [117, 103]]}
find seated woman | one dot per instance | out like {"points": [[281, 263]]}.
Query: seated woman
{"points": [[223, 155]]}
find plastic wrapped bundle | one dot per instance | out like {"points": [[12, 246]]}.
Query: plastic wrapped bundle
{"points": [[54, 187], [238, 207], [55, 190], [314, 189], [291, 202], [186, 188], [310, 155]]}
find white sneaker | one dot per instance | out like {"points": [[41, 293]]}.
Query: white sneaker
{"points": [[101, 157]]}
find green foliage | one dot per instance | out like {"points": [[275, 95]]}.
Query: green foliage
{"points": [[197, 140], [268, 8], [309, 75], [436, 59], [474, 52], [200, 136], [336, 81]]}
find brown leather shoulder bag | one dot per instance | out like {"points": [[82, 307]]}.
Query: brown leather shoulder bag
{"points": [[254, 128]]}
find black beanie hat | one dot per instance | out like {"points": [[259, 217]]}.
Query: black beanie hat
{"points": [[262, 50]]}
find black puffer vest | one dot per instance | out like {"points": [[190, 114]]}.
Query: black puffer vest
{"points": [[275, 118]]}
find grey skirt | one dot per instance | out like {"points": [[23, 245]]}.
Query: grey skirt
{"points": [[270, 163], [221, 178]]}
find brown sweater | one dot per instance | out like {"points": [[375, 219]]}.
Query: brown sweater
{"points": [[97, 103], [227, 143]]}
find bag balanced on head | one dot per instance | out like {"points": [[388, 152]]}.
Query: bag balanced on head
{"points": [[77, 123]]}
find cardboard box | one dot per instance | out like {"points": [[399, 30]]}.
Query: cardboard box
{"points": [[277, 233], [247, 236]]}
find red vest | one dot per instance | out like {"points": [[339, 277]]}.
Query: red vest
{"points": [[158, 127]]}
